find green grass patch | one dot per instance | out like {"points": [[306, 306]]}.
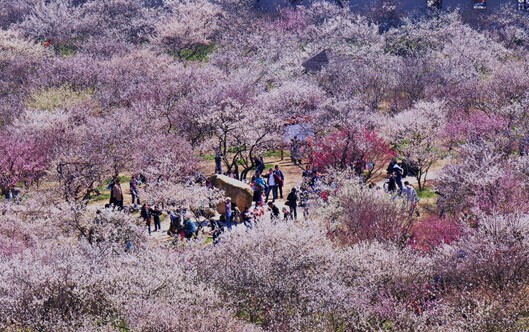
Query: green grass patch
{"points": [[208, 157], [268, 166], [426, 193], [198, 52], [273, 153], [105, 196]]}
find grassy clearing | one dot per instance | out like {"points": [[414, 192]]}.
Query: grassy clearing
{"points": [[208, 157], [198, 52], [426, 193], [57, 98]]}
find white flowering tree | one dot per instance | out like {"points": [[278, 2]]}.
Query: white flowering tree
{"points": [[415, 135]]}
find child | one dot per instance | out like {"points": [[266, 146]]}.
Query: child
{"points": [[274, 214], [286, 214], [247, 218]]}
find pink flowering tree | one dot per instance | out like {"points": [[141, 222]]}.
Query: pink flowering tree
{"points": [[475, 127], [25, 160], [354, 213], [360, 149], [433, 231]]}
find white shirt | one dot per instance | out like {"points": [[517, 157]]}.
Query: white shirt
{"points": [[271, 180]]}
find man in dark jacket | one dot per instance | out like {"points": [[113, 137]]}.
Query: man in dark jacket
{"points": [[398, 172], [281, 180], [292, 202], [156, 213], [146, 216]]}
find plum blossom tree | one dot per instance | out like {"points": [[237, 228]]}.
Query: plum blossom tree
{"points": [[54, 21], [75, 288], [356, 213], [475, 127], [188, 24], [432, 232], [415, 136], [25, 160], [483, 183], [139, 101], [262, 293], [14, 12], [241, 134], [20, 59], [166, 158], [359, 149]]}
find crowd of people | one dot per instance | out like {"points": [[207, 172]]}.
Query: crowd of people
{"points": [[268, 188]]}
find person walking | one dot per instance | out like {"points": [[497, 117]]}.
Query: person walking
{"points": [[281, 180], [410, 197], [272, 182], [292, 203], [117, 194]]}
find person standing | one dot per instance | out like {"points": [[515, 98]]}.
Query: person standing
{"points": [[146, 215], [292, 202], [258, 194], [134, 191], [281, 180], [304, 201], [397, 171], [218, 161], [156, 213], [392, 163], [272, 182], [259, 165], [229, 212], [117, 194], [391, 184], [307, 173], [295, 151], [410, 196]]}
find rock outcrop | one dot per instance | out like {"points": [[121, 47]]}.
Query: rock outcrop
{"points": [[239, 192]]}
